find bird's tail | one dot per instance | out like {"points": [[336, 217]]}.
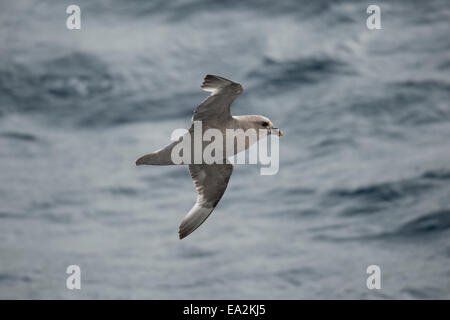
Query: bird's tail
{"points": [[162, 157]]}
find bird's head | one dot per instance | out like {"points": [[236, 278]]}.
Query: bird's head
{"points": [[261, 123]]}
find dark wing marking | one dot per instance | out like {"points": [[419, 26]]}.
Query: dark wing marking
{"points": [[217, 104]]}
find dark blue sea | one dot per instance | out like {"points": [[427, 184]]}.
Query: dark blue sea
{"points": [[364, 175]]}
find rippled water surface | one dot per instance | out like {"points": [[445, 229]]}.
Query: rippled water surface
{"points": [[364, 164]]}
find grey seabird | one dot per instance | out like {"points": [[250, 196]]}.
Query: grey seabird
{"points": [[211, 180]]}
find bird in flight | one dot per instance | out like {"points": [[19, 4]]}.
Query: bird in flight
{"points": [[211, 179]]}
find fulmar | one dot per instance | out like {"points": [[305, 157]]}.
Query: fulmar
{"points": [[211, 179]]}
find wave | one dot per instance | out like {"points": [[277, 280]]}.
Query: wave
{"points": [[432, 222], [429, 224], [58, 87], [80, 89], [384, 192], [19, 136], [441, 174], [411, 102], [286, 75], [180, 10], [377, 198]]}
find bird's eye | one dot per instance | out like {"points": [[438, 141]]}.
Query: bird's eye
{"points": [[265, 124]]}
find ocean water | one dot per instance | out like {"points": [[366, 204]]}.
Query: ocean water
{"points": [[364, 173]]}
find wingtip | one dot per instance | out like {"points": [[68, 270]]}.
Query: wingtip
{"points": [[212, 82], [183, 232], [195, 217], [180, 235], [140, 161]]}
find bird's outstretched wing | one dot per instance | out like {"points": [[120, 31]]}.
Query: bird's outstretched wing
{"points": [[217, 105], [211, 181]]}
